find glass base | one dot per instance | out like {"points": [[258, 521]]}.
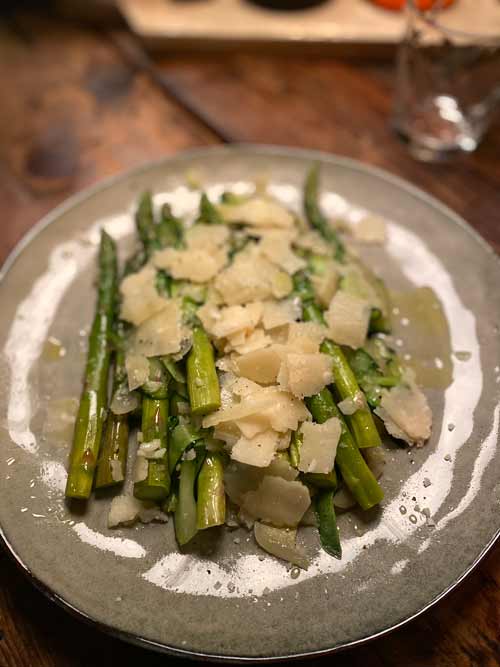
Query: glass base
{"points": [[436, 129]]}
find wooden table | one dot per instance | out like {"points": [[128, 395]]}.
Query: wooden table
{"points": [[78, 104]]}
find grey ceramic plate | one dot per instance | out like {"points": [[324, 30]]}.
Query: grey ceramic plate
{"points": [[222, 599]]}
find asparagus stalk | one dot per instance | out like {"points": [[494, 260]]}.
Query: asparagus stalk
{"points": [[145, 224], [156, 486], [202, 380], [112, 463], [327, 521], [211, 503], [182, 436], [208, 212], [314, 214], [355, 472], [362, 423], [317, 479], [91, 411], [169, 229], [185, 518]]}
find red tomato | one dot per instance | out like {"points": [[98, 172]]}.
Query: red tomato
{"points": [[399, 4]]}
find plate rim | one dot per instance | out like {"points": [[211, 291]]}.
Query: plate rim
{"points": [[260, 149]]}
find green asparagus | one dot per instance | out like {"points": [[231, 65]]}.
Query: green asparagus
{"points": [[91, 411], [169, 229], [145, 224], [156, 485], [362, 423], [314, 214], [202, 380], [327, 522], [185, 518], [112, 461], [208, 212], [353, 468], [211, 502]]}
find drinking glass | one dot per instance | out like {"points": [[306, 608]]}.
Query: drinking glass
{"points": [[448, 77]]}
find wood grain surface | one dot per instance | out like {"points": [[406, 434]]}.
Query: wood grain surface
{"points": [[81, 103]]}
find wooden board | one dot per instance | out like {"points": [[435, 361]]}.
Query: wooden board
{"points": [[339, 25]]}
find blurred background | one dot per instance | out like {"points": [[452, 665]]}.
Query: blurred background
{"points": [[93, 88]]}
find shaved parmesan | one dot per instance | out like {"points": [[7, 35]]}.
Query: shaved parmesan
{"points": [[240, 478], [278, 501], [204, 236], [261, 365], [251, 277], [319, 446], [351, 405], [257, 451], [305, 374], [232, 319], [348, 317], [276, 248], [140, 298], [306, 336], [284, 441], [312, 240], [137, 367], [325, 285], [252, 426], [228, 432], [140, 469], [258, 212], [276, 314], [283, 411], [244, 387], [116, 470], [406, 414], [254, 341], [127, 509], [161, 334], [196, 264]]}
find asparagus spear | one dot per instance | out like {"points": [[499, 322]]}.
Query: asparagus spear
{"points": [[182, 436], [112, 462], [202, 380], [362, 423], [208, 212], [169, 230], [145, 224], [156, 486], [327, 521], [185, 518], [91, 411], [314, 214], [316, 479], [211, 503], [355, 472]]}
